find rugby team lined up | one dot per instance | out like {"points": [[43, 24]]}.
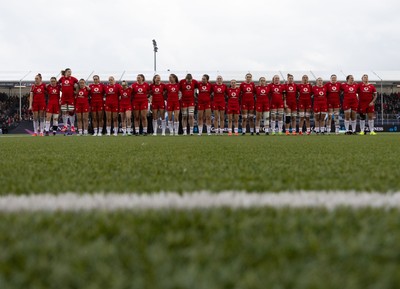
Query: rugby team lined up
{"points": [[263, 103]]}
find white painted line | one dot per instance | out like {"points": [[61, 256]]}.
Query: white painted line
{"points": [[197, 200]]}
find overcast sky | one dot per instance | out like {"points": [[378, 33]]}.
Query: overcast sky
{"points": [[246, 35]]}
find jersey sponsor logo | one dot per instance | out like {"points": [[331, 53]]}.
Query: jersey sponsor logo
{"points": [[276, 89], [66, 82], [321, 93], [248, 89], [305, 90], [334, 88], [219, 89], [140, 90], [291, 88], [351, 89], [80, 93], [124, 94], [204, 88], [96, 89], [366, 89], [156, 90], [188, 87], [233, 94], [54, 91], [263, 91], [111, 90], [173, 89], [39, 90]]}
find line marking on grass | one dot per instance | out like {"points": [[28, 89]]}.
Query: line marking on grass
{"points": [[196, 200]]}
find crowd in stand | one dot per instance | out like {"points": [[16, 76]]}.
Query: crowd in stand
{"points": [[391, 104]]}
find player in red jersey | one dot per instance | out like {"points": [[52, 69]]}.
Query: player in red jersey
{"points": [[305, 93], [173, 105], [140, 103], [204, 104], [82, 107], [367, 95], [277, 91], [219, 105], [290, 104], [188, 87], [262, 104], [111, 90], [97, 105], [350, 104], [37, 103], [233, 110], [157, 92], [320, 106], [53, 105], [247, 89], [333, 93], [125, 108], [68, 86]]}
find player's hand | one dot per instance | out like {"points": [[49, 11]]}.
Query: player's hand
{"points": [[371, 104], [30, 108], [285, 105]]}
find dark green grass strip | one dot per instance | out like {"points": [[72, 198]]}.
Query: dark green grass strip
{"points": [[222, 248], [184, 164]]}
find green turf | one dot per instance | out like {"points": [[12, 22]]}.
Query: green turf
{"points": [[219, 248], [184, 164]]}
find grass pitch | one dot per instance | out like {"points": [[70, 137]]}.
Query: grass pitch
{"points": [[185, 164], [211, 248]]}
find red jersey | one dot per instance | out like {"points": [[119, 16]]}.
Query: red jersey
{"points": [[319, 93], [233, 96], [38, 92], [140, 91], [276, 90], [333, 91], [366, 92], [205, 91], [172, 91], [54, 93], [305, 91], [125, 95], [247, 90], [96, 92], [262, 92], [188, 89], [349, 91], [82, 95], [291, 92], [157, 92], [219, 92], [67, 86], [112, 92]]}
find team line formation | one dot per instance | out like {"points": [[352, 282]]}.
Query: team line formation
{"points": [[268, 102]]}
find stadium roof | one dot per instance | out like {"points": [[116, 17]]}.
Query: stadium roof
{"points": [[377, 76]]}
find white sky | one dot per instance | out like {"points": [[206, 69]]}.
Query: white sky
{"points": [[247, 35]]}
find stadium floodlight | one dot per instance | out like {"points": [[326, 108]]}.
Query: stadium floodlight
{"points": [[155, 49], [20, 86], [381, 93]]}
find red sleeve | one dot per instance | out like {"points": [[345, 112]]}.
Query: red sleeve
{"points": [[32, 87], [75, 80]]}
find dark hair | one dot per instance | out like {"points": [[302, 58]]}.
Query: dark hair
{"points": [[189, 76], [53, 77], [333, 75], [289, 75], [174, 77], [40, 76], [206, 76], [96, 76], [142, 76], [348, 77], [82, 79], [154, 78], [249, 74]]}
